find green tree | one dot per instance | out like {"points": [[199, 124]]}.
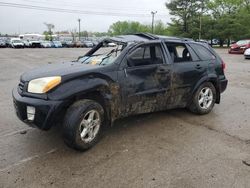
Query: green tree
{"points": [[130, 27], [185, 15], [127, 27], [160, 28], [225, 20], [227, 23], [49, 33]]}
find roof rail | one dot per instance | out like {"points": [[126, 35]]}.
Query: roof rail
{"points": [[147, 36]]}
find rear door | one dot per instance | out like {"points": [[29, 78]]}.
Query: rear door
{"points": [[146, 81], [188, 69]]}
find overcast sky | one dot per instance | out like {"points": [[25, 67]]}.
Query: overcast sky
{"points": [[19, 20]]}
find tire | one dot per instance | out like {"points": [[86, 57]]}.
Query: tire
{"points": [[77, 132], [203, 102]]}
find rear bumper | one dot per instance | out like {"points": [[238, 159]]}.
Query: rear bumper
{"points": [[223, 85], [46, 111]]}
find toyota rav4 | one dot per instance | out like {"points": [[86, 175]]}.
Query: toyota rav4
{"points": [[141, 73]]}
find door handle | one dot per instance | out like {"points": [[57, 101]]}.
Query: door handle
{"points": [[163, 71], [198, 66]]}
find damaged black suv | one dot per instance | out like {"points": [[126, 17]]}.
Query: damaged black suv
{"points": [[121, 76]]}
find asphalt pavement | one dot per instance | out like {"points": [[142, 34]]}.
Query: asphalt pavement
{"points": [[166, 149]]}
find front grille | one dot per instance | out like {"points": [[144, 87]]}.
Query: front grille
{"points": [[21, 86]]}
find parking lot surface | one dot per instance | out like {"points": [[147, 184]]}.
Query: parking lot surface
{"points": [[166, 149]]}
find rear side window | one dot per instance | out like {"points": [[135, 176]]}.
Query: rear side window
{"points": [[179, 52], [202, 52]]}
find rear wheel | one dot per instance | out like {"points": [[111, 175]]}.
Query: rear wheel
{"points": [[204, 99], [83, 124]]}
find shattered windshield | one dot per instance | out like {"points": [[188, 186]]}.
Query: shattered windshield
{"points": [[104, 55]]}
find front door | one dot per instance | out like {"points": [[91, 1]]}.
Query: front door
{"points": [[146, 81]]}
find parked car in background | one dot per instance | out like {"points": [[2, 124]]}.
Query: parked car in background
{"points": [[78, 44], [52, 44], [3, 44], [203, 41], [247, 53], [239, 47], [95, 42], [57, 44], [16, 43], [7, 41], [45, 44], [88, 44], [70, 44], [35, 44], [67, 44], [26, 43]]}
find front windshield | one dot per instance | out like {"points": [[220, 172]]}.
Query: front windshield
{"points": [[104, 55], [17, 41], [243, 42]]}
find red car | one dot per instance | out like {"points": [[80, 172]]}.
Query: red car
{"points": [[239, 47]]}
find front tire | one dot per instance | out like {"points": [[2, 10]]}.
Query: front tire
{"points": [[83, 124], [204, 99]]}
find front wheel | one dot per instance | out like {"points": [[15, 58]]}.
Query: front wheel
{"points": [[83, 124], [204, 99]]}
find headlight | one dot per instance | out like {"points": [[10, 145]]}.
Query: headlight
{"points": [[43, 85]]}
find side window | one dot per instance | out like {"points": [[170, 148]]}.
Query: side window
{"points": [[137, 54], [179, 52], [202, 52], [145, 55]]}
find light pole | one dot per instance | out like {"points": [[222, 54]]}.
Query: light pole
{"points": [[201, 14], [79, 20], [153, 20]]}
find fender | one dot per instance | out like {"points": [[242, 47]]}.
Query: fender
{"points": [[104, 89], [208, 78]]}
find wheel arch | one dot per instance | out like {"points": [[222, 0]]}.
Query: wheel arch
{"points": [[212, 79], [101, 95]]}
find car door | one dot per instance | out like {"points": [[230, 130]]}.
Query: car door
{"points": [[188, 69], [146, 80]]}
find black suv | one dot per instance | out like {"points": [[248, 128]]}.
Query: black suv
{"points": [[140, 73]]}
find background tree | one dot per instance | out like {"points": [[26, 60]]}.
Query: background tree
{"points": [[49, 33], [225, 20], [127, 27], [186, 14], [130, 27]]}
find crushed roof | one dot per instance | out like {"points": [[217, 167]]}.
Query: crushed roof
{"points": [[142, 37]]}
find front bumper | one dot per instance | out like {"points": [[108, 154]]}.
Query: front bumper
{"points": [[236, 51], [18, 46], [247, 56], [46, 111]]}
